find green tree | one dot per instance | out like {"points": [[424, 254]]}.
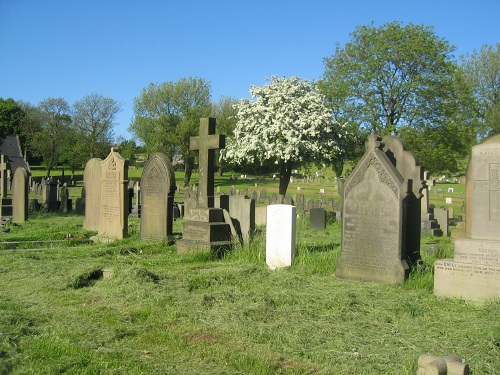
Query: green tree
{"points": [[11, 115], [481, 73], [49, 141], [288, 123], [93, 119], [31, 125], [168, 114], [227, 115], [389, 77]]}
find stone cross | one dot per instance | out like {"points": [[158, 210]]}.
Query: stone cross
{"points": [[206, 143], [4, 166]]}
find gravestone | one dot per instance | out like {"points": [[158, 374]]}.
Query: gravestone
{"points": [[51, 202], [206, 229], [113, 217], [241, 210], [20, 196], [65, 204], [474, 272], [374, 247], [5, 201], [441, 216], [317, 218], [136, 209], [158, 189], [92, 185], [280, 235], [429, 225]]}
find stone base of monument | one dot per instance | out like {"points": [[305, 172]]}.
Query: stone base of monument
{"points": [[205, 231], [102, 239], [6, 207], [430, 226], [473, 274]]}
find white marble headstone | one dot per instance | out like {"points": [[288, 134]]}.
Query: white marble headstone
{"points": [[280, 235]]}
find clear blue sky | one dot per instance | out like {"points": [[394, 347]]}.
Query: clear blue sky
{"points": [[71, 48]]}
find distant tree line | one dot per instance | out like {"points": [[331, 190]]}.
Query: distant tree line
{"points": [[393, 79]]}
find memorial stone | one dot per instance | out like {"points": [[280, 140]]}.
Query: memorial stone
{"points": [[317, 217], [206, 229], [280, 235], [20, 196], [429, 225], [158, 189], [373, 216], [65, 203], [474, 272], [51, 203], [5, 202], [92, 185], [113, 218], [441, 216]]}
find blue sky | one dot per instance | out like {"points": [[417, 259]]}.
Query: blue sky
{"points": [[72, 48]]}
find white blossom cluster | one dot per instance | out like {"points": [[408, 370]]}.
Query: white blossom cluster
{"points": [[287, 121]]}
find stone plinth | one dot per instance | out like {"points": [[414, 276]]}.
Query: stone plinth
{"points": [[205, 231]]}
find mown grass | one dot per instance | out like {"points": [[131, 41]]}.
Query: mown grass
{"points": [[163, 313]]}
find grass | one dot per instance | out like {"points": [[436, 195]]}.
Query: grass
{"points": [[163, 313]]}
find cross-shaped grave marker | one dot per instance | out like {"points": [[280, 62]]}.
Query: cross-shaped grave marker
{"points": [[206, 143]]}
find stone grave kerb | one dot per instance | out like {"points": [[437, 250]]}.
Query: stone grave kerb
{"points": [[206, 144]]}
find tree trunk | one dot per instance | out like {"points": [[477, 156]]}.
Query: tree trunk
{"points": [[285, 173], [188, 169]]}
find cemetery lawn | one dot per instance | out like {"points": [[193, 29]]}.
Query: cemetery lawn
{"points": [[163, 313]]}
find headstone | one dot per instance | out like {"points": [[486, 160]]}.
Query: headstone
{"points": [[429, 225], [92, 185], [374, 215], [449, 200], [65, 202], [330, 203], [280, 235], [113, 218], [317, 217], [441, 216], [51, 202], [241, 210], [136, 209], [260, 215], [5, 202], [206, 229], [20, 196], [158, 189], [288, 200], [309, 204], [474, 272]]}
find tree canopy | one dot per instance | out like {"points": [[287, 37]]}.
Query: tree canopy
{"points": [[168, 114], [288, 123], [389, 77]]}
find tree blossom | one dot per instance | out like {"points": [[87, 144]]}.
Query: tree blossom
{"points": [[287, 122]]}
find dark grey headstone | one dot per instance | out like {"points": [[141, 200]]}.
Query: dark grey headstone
{"points": [[317, 217]]}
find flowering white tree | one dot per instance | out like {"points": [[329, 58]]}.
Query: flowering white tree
{"points": [[289, 123]]}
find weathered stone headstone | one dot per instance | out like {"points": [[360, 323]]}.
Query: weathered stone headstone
{"points": [[51, 202], [241, 210], [65, 204], [280, 235], [158, 188], [441, 216], [206, 229], [474, 273], [113, 218], [20, 196], [317, 218], [430, 225], [136, 208], [5, 202], [92, 185], [373, 217]]}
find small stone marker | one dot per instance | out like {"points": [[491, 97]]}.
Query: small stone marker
{"points": [[449, 200], [449, 365], [51, 202], [474, 273], [158, 188], [4, 167], [92, 186], [280, 235], [113, 218], [20, 196]]}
